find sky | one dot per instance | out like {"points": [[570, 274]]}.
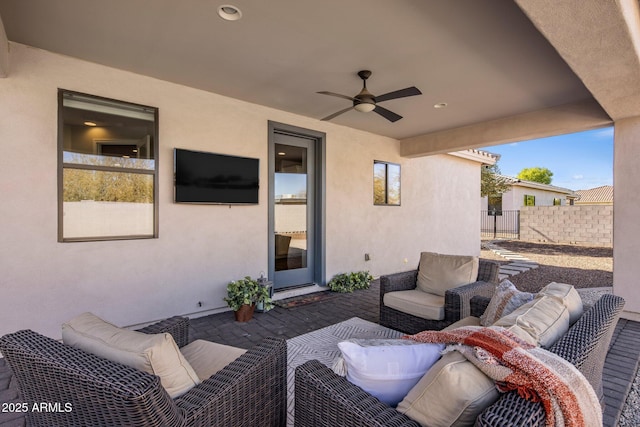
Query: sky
{"points": [[579, 161]]}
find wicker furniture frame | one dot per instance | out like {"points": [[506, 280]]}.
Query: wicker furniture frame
{"points": [[250, 391], [456, 301], [326, 399]]}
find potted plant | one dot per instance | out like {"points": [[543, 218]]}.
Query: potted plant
{"points": [[242, 296]]}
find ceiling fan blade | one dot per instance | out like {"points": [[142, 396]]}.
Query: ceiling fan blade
{"points": [[350, 98], [389, 115], [402, 93], [338, 113]]}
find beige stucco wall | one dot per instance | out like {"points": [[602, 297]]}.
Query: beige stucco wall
{"points": [[626, 199], [200, 248]]}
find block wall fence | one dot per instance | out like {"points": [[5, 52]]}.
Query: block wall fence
{"points": [[581, 225]]}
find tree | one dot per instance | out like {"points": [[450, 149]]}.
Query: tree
{"points": [[491, 182], [536, 174]]}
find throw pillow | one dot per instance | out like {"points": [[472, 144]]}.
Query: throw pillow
{"points": [[156, 354], [540, 322], [569, 296], [438, 273], [387, 369], [505, 299], [452, 393]]}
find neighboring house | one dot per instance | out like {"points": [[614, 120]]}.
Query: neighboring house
{"points": [[595, 196], [528, 193]]}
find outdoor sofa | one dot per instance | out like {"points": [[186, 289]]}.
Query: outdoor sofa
{"points": [[323, 398], [93, 391], [441, 312]]}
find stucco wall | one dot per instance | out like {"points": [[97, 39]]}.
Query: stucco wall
{"points": [[582, 225], [626, 199], [200, 248]]}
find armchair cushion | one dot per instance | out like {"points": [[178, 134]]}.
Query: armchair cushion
{"points": [[208, 358], [504, 301], [452, 393], [416, 303], [438, 273], [155, 354], [387, 369]]}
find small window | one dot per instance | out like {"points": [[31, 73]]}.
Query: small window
{"points": [[557, 202], [529, 200], [107, 156], [386, 183]]}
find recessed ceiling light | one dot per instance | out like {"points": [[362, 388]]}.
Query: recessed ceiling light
{"points": [[88, 123], [440, 105], [229, 12]]}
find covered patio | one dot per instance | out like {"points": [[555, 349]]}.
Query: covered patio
{"points": [[490, 72]]}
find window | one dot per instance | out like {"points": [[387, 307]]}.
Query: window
{"points": [[557, 202], [107, 157], [386, 183], [529, 200]]}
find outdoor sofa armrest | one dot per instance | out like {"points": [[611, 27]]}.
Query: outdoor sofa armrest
{"points": [[325, 399], [403, 281], [250, 391], [457, 301], [177, 326], [585, 345], [479, 305], [488, 271]]}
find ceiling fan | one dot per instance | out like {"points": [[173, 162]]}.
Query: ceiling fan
{"points": [[365, 101]]}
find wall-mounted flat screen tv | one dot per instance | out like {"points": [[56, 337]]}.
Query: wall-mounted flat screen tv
{"points": [[202, 177]]}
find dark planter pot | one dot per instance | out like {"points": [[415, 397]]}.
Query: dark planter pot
{"points": [[244, 313]]}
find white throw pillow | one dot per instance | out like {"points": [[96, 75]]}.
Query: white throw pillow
{"points": [[156, 354], [569, 296], [504, 301], [388, 369]]}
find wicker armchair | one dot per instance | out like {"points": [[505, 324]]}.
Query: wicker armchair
{"points": [[249, 391], [457, 300], [325, 399]]}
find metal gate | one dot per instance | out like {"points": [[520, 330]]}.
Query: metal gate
{"points": [[499, 224]]}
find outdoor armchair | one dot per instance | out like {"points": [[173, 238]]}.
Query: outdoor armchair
{"points": [[94, 391], [456, 300]]}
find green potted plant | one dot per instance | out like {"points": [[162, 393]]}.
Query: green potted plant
{"points": [[242, 296]]}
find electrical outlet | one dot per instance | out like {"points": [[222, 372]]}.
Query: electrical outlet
{"points": [[200, 303], [367, 257]]}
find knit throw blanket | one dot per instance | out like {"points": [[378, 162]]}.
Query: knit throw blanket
{"points": [[536, 374]]}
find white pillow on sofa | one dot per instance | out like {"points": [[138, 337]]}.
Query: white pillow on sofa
{"points": [[569, 296], [156, 354], [388, 369]]}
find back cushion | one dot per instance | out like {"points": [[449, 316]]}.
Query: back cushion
{"points": [[452, 393], [569, 296], [438, 273], [540, 322], [155, 354]]}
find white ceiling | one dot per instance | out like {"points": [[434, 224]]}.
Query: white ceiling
{"points": [[482, 57]]}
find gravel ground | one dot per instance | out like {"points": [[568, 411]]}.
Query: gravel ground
{"points": [[580, 266]]}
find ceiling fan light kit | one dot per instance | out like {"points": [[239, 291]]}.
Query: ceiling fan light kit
{"points": [[365, 101]]}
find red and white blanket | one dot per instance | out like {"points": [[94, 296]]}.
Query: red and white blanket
{"points": [[536, 374]]}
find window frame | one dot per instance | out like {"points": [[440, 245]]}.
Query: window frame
{"points": [[529, 200], [386, 183], [62, 166]]}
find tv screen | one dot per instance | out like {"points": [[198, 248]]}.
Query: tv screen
{"points": [[202, 177]]}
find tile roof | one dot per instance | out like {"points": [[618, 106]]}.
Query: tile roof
{"points": [[596, 195]]}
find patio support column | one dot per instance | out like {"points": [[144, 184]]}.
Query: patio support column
{"points": [[626, 226], [4, 52]]}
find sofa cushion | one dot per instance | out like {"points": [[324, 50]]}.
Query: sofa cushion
{"points": [[505, 299], [438, 273], [207, 358], [540, 322], [568, 295], [465, 321], [387, 368], [417, 303], [452, 393], [156, 354]]}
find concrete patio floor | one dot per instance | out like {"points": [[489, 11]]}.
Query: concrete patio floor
{"points": [[620, 367]]}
